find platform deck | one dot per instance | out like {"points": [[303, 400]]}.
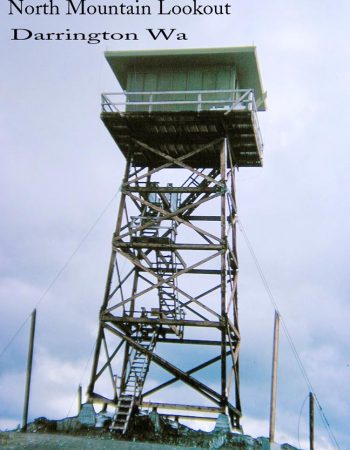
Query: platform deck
{"points": [[178, 133]]}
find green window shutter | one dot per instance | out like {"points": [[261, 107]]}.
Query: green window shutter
{"points": [[224, 81], [179, 83], [194, 83], [163, 84], [149, 85], [135, 84]]}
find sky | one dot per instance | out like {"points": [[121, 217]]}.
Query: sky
{"points": [[60, 173]]}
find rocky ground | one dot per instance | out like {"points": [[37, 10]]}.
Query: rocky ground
{"points": [[51, 441], [44, 434], [57, 440]]}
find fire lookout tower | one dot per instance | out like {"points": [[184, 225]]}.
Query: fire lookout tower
{"points": [[186, 119]]}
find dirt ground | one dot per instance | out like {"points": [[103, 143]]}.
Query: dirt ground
{"points": [[46, 441]]}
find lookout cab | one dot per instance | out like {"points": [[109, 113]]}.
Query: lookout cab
{"points": [[180, 99], [185, 120]]}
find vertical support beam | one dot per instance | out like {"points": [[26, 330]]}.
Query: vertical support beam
{"points": [[234, 268], [79, 398], [100, 335], [223, 274], [312, 420], [274, 377], [29, 371]]}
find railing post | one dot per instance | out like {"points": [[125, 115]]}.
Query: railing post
{"points": [[251, 100], [103, 102], [150, 103], [199, 99]]}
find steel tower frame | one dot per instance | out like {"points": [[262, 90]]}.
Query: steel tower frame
{"points": [[159, 300]]}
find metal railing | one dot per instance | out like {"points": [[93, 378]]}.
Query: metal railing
{"points": [[238, 99]]}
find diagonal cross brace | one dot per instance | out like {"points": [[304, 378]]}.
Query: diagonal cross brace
{"points": [[183, 376], [189, 372], [169, 164], [167, 281], [178, 161]]}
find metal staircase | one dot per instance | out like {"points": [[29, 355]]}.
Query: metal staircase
{"points": [[138, 368], [164, 264], [167, 265]]}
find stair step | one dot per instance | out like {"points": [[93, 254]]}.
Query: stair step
{"points": [[136, 377], [119, 421]]}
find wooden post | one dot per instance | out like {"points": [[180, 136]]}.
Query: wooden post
{"points": [[312, 419], [79, 398], [223, 274], [29, 372], [274, 378], [100, 335]]}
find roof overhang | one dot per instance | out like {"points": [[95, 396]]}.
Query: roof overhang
{"points": [[243, 58]]}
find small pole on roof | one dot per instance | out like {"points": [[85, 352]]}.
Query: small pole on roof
{"points": [[29, 372]]}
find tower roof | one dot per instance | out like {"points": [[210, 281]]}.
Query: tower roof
{"points": [[243, 58]]}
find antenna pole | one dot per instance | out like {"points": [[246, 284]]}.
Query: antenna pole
{"points": [[79, 398], [274, 377], [312, 420], [29, 372]]}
